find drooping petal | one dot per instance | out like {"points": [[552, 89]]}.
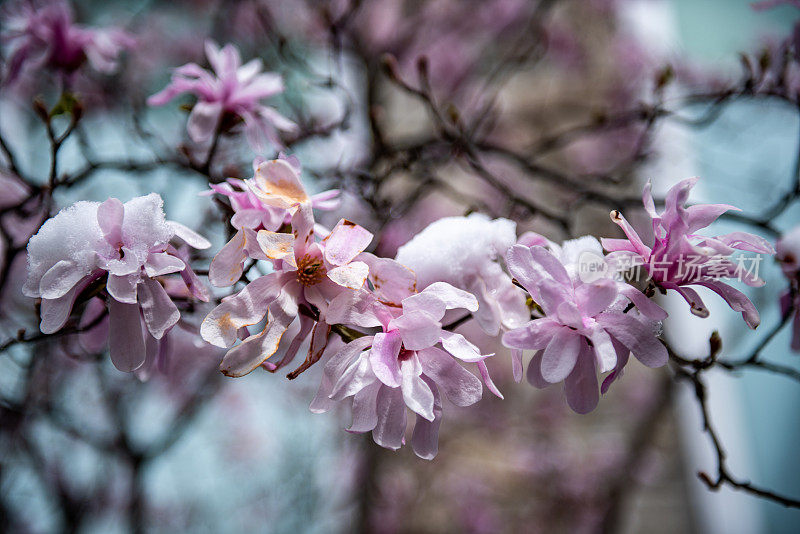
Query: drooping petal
{"points": [[603, 349], [334, 368], [516, 364], [203, 121], [416, 393], [124, 288], [383, 357], [391, 426], [189, 236], [55, 312], [560, 355], [637, 336], [60, 278], [737, 300], [643, 303], [580, 386], [461, 387], [158, 310], [425, 438], [125, 341], [356, 377], [365, 408], [534, 374]]}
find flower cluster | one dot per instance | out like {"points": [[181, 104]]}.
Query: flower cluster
{"points": [[231, 90], [395, 316]]}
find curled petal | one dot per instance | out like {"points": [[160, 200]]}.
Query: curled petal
{"points": [[425, 439], [158, 310], [226, 267], [391, 426], [189, 236], [383, 357], [461, 348]]}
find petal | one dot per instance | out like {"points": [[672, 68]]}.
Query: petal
{"points": [[60, 279], [333, 370], [596, 297], [109, 216], [189, 236], [356, 377], [55, 312], [416, 393], [365, 409], [737, 300], [580, 386], [560, 355], [519, 260], [487, 379], [645, 305], [346, 241], [637, 336], [354, 308], [418, 329], [125, 341], [391, 425], [425, 439], [603, 349], [203, 121], [161, 263], [534, 335], [352, 275], [123, 288], [383, 357], [158, 310], [550, 264], [534, 374], [245, 308], [391, 281], [254, 350], [461, 348], [452, 297], [276, 183], [226, 267], [461, 387], [276, 246]]}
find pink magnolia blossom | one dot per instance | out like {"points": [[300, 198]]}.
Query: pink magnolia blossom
{"points": [[788, 254], [585, 327], [406, 364], [126, 247], [46, 35], [232, 88], [680, 257], [252, 214], [307, 275]]}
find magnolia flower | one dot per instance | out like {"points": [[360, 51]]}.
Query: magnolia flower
{"points": [[232, 88], [679, 257], [127, 248], [256, 208], [402, 366], [463, 251], [788, 255], [307, 274], [585, 328], [46, 35]]}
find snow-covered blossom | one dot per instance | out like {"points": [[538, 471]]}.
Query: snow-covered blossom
{"points": [[252, 214], [464, 252], [587, 326], [406, 364], [679, 257], [788, 255], [306, 275], [232, 88], [124, 248], [46, 35]]}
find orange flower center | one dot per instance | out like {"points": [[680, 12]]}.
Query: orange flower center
{"points": [[310, 270]]}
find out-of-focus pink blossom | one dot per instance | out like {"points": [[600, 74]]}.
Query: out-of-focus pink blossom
{"points": [[231, 88], [585, 328], [680, 257], [402, 366], [45, 34], [127, 246], [788, 255]]}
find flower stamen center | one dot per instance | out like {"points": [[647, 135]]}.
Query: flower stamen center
{"points": [[310, 270]]}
